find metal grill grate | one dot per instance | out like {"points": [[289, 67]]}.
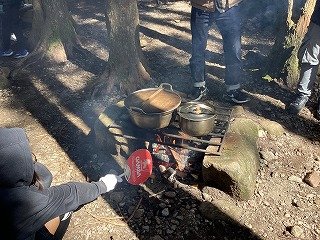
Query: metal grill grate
{"points": [[173, 136]]}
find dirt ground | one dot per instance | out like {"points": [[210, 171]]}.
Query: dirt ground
{"points": [[54, 104]]}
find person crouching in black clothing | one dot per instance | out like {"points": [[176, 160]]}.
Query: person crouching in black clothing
{"points": [[30, 208]]}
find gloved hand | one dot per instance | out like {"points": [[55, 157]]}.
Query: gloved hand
{"points": [[110, 180]]}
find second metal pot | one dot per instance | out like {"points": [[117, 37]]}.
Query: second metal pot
{"points": [[196, 118]]}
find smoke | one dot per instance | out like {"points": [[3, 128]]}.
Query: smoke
{"points": [[260, 14]]}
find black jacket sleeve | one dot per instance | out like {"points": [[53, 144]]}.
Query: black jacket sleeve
{"points": [[68, 197], [27, 209], [57, 200]]}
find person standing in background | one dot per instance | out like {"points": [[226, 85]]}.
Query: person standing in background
{"points": [[309, 54], [11, 23], [227, 18]]}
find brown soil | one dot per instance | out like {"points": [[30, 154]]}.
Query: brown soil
{"points": [[54, 104]]}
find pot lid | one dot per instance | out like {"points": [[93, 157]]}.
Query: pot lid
{"points": [[196, 111], [153, 100]]}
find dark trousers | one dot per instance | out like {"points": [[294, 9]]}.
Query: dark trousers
{"points": [[43, 234], [229, 26], [12, 23]]}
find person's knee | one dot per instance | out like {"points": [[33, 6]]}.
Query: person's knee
{"points": [[53, 225]]}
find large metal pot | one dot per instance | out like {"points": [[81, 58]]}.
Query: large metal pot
{"points": [[153, 108], [196, 118]]}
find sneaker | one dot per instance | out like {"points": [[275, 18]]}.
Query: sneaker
{"points": [[198, 93], [66, 216], [6, 53], [237, 96], [21, 54], [296, 106]]}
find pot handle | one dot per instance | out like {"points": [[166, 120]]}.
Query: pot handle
{"points": [[167, 86], [136, 109]]}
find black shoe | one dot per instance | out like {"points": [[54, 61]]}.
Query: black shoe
{"points": [[296, 106], [198, 93], [237, 96]]}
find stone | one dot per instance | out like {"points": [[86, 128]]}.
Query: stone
{"points": [[317, 202], [162, 168], [173, 227], [296, 203], [169, 231], [287, 215], [158, 221], [162, 205], [267, 155], [273, 128], [293, 178], [116, 196], [206, 197], [312, 179], [146, 228], [165, 212], [235, 171], [170, 194], [138, 213], [175, 222], [262, 133], [157, 237], [296, 231]]}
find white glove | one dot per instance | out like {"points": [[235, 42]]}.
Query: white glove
{"points": [[110, 180]]}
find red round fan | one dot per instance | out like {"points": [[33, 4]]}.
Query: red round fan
{"points": [[139, 167]]}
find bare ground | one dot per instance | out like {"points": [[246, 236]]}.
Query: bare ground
{"points": [[54, 104]]}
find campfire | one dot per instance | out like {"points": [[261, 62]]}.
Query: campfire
{"points": [[177, 155], [177, 134]]}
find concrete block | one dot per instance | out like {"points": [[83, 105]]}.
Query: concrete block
{"points": [[235, 171], [103, 131]]}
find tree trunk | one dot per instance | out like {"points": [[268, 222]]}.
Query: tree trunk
{"points": [[283, 61], [126, 65], [53, 34]]}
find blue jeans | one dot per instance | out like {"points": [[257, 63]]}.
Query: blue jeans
{"points": [[309, 55], [229, 26]]}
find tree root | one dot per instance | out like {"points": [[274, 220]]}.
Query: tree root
{"points": [[25, 63]]}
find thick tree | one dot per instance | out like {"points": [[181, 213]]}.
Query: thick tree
{"points": [[53, 34], [294, 18], [126, 65]]}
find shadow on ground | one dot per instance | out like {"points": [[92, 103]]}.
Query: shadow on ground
{"points": [[80, 148]]}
